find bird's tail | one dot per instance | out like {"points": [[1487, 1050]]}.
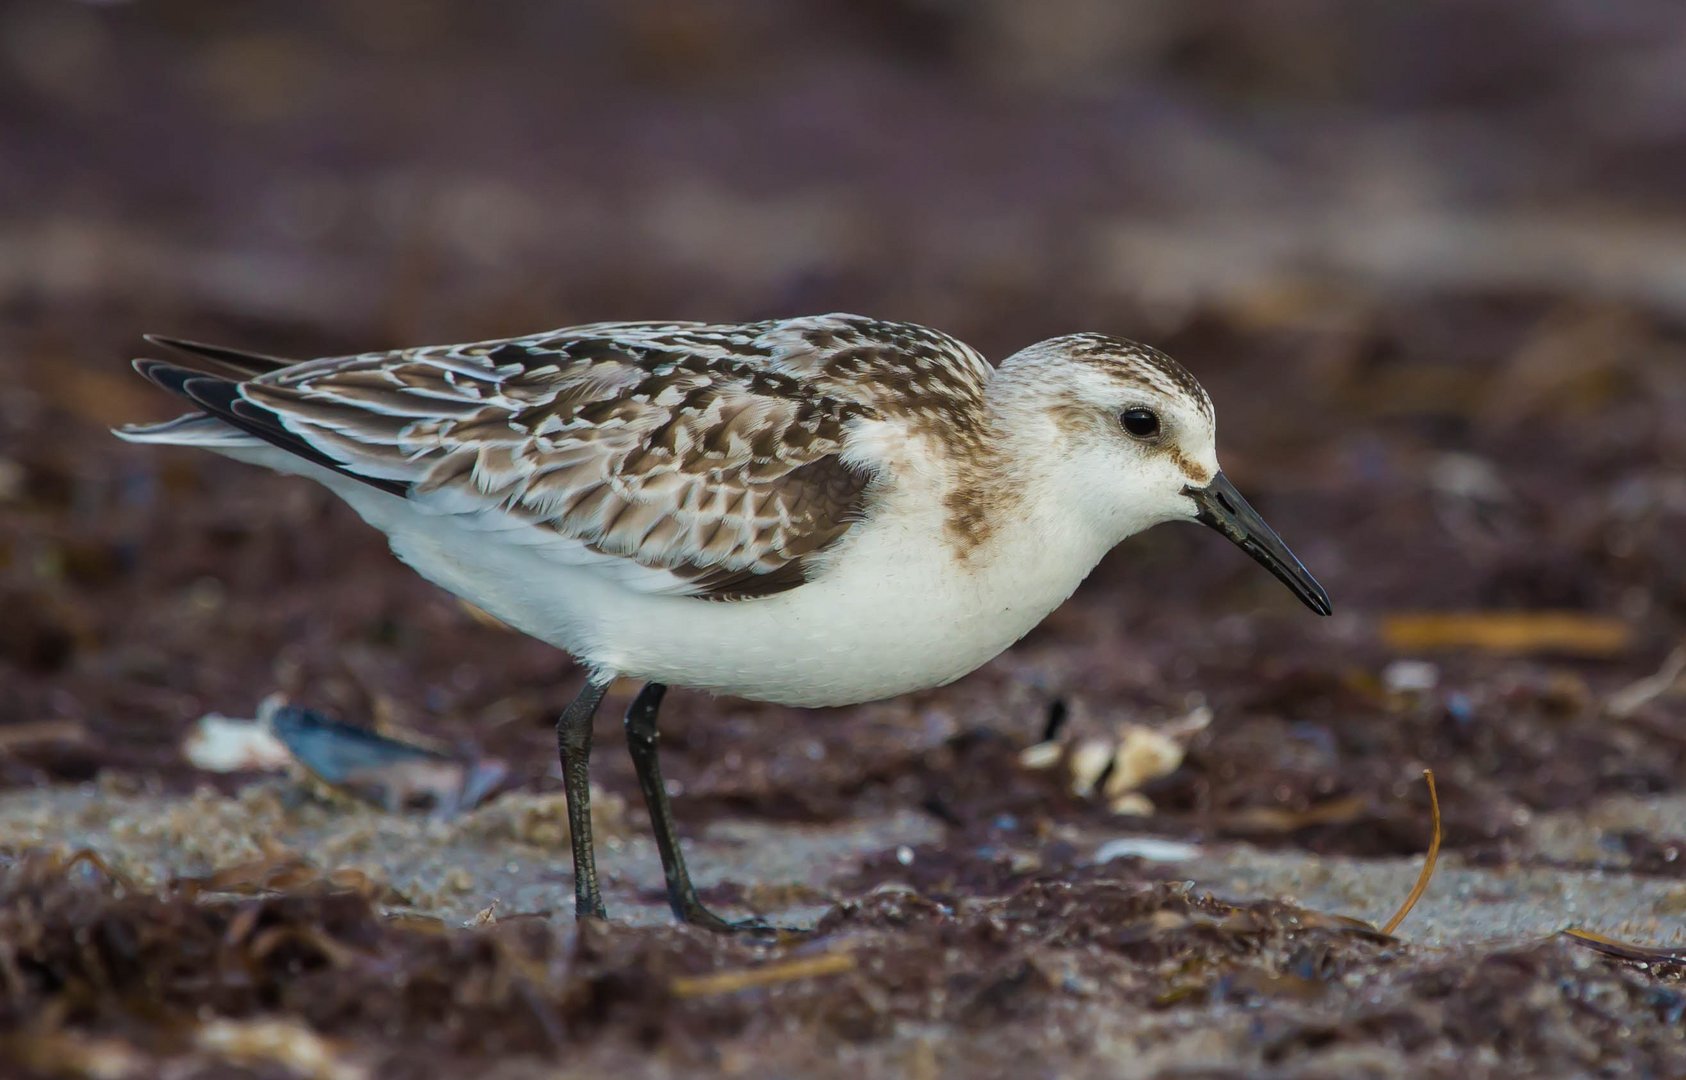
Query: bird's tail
{"points": [[208, 365], [194, 429]]}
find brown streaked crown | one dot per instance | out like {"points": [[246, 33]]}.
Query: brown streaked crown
{"points": [[1141, 364]]}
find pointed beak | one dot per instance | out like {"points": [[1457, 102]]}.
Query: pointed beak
{"points": [[1223, 508]]}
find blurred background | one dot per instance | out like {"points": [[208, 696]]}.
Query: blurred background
{"points": [[1429, 257]]}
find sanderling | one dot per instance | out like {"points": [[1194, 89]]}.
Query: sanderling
{"points": [[814, 511]]}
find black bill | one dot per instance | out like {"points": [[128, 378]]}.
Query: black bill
{"points": [[1223, 508]]}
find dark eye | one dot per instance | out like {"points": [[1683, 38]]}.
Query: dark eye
{"points": [[1140, 423]]}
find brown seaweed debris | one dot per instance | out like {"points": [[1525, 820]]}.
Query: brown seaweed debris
{"points": [[1154, 922], [281, 870], [85, 951]]}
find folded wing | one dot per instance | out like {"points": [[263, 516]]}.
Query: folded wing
{"points": [[676, 457]]}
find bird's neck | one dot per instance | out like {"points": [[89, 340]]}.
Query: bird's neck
{"points": [[1016, 496]]}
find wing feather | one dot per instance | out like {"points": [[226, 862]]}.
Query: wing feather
{"points": [[697, 459]]}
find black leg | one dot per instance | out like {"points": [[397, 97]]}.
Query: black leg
{"points": [[642, 739], [573, 744]]}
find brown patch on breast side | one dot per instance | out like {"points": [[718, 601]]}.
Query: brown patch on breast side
{"points": [[968, 518], [977, 502]]}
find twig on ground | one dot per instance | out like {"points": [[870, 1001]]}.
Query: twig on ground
{"points": [[727, 982], [1625, 950], [1421, 886]]}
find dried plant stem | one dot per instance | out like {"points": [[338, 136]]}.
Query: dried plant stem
{"points": [[1421, 886], [726, 982]]}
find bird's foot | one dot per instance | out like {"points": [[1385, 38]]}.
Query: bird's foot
{"points": [[697, 915]]}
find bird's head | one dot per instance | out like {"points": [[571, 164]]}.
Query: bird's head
{"points": [[1134, 438]]}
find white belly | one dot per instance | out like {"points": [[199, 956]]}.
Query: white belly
{"points": [[895, 611], [887, 618]]}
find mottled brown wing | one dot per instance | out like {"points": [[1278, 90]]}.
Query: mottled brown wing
{"points": [[669, 456], [921, 377]]}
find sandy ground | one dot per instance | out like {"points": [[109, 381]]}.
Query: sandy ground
{"points": [[512, 856], [506, 862]]}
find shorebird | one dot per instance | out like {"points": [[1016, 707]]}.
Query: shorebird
{"points": [[813, 511]]}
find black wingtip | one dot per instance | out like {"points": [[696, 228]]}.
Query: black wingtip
{"points": [[221, 397], [237, 362], [172, 377], [212, 394]]}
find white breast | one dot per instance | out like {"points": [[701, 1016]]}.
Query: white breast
{"points": [[897, 611]]}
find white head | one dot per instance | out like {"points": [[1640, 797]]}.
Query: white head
{"points": [[1126, 438]]}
